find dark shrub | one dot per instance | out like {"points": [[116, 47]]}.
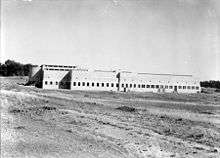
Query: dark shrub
{"points": [[126, 109]]}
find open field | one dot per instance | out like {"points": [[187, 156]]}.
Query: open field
{"points": [[77, 124]]}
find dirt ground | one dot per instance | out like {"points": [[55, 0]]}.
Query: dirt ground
{"points": [[77, 124]]}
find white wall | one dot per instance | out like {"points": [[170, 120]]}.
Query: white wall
{"points": [[161, 80], [93, 77]]}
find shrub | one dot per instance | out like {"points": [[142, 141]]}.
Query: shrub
{"points": [[126, 109]]}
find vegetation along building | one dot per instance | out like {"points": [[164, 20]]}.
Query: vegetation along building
{"points": [[73, 78]]}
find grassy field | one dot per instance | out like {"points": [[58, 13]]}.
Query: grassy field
{"points": [[78, 124]]}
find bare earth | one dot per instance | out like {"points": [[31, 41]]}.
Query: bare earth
{"points": [[77, 124]]}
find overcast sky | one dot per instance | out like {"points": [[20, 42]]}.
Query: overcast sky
{"points": [[157, 36]]}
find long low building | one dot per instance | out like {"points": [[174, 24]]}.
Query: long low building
{"points": [[73, 78]]}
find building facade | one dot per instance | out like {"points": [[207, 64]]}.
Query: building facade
{"points": [[73, 78]]}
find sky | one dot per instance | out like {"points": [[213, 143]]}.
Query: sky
{"points": [[155, 36]]}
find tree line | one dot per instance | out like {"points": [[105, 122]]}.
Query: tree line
{"points": [[12, 68], [210, 84]]}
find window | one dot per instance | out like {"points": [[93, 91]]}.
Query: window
{"points": [[180, 87], [116, 84], [157, 86], [130, 85], [56, 83], [188, 87], [134, 85], [152, 86], [148, 86], [93, 84], [103, 84], [97, 84], [139, 86], [51, 82], [112, 84], [166, 86], [170, 87], [83, 84], [143, 86], [193, 87], [78, 83], [107, 84], [184, 87], [197, 88], [74, 83], [45, 82], [126, 85], [87, 84], [122, 85], [161, 86]]}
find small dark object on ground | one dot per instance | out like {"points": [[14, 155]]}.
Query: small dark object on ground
{"points": [[69, 131], [196, 136], [195, 152], [19, 127], [206, 112], [86, 95], [214, 151], [199, 148], [16, 111], [48, 108], [217, 90], [126, 109], [199, 136], [64, 112], [179, 119]]}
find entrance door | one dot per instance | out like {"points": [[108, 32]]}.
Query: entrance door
{"points": [[175, 88]]}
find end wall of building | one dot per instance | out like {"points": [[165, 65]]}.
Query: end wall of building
{"points": [[36, 76], [55, 79]]}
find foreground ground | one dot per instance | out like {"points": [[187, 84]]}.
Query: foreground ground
{"points": [[62, 123]]}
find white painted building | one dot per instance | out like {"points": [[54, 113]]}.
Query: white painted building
{"points": [[70, 77]]}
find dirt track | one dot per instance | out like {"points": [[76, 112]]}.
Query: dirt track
{"points": [[49, 123]]}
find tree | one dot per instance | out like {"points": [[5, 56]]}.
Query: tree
{"points": [[12, 68], [211, 84]]}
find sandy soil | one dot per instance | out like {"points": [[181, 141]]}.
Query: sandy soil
{"points": [[76, 124]]}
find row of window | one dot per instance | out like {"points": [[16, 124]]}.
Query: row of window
{"points": [[132, 85], [95, 84], [126, 85], [46, 83], [59, 66]]}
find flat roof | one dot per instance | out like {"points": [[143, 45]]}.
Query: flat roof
{"points": [[143, 73]]}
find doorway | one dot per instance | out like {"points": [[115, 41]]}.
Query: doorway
{"points": [[175, 88]]}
